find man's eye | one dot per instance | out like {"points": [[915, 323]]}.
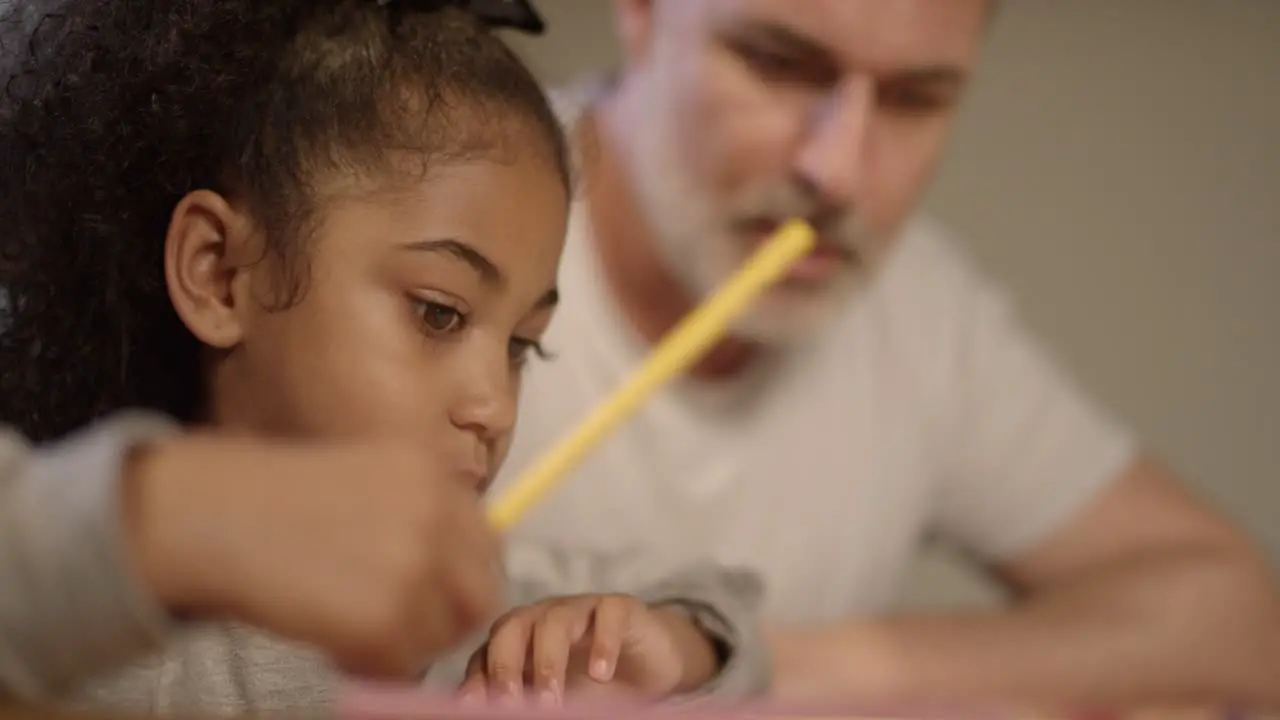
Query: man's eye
{"points": [[785, 67], [913, 101], [439, 318], [770, 64]]}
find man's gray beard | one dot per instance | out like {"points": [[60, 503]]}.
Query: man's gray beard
{"points": [[782, 315], [786, 316], [694, 247], [701, 264]]}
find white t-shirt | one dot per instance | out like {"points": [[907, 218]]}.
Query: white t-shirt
{"points": [[924, 409]]}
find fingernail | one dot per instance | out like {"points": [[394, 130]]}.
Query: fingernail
{"points": [[548, 698], [511, 692], [600, 669]]}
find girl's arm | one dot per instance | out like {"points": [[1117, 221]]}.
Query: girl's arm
{"points": [[71, 605]]}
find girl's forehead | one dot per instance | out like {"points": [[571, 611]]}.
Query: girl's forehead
{"points": [[513, 211]]}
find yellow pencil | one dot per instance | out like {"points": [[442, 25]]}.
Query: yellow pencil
{"points": [[683, 346]]}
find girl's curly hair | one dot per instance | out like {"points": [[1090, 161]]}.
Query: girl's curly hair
{"points": [[113, 110]]}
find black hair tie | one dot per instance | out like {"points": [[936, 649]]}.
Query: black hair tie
{"points": [[513, 14]]}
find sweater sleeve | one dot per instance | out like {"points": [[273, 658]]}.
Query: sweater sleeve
{"points": [[71, 605]]}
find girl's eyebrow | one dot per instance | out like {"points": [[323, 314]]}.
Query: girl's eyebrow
{"points": [[488, 271], [483, 266]]}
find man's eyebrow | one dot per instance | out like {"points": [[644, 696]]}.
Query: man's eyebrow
{"points": [[485, 267], [776, 38], [781, 38]]}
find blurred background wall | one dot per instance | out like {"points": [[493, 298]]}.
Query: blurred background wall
{"points": [[1118, 166]]}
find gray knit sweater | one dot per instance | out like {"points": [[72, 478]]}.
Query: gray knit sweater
{"points": [[77, 629]]}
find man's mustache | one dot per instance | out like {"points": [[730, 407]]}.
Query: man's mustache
{"points": [[839, 228]]}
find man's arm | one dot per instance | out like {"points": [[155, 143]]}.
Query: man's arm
{"points": [[1128, 590], [1146, 597]]}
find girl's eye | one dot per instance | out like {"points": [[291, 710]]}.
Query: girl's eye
{"points": [[518, 350], [439, 318]]}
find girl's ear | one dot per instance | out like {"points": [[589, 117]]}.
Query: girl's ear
{"points": [[207, 254]]}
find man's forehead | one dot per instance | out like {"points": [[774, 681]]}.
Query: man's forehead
{"points": [[877, 35]]}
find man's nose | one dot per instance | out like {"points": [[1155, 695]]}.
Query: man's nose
{"points": [[832, 156]]}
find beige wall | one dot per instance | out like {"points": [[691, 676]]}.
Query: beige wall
{"points": [[1118, 166]]}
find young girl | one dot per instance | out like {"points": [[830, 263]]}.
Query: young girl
{"points": [[272, 271]]}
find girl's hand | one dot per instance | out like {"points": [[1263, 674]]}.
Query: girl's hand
{"points": [[374, 553], [590, 645]]}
